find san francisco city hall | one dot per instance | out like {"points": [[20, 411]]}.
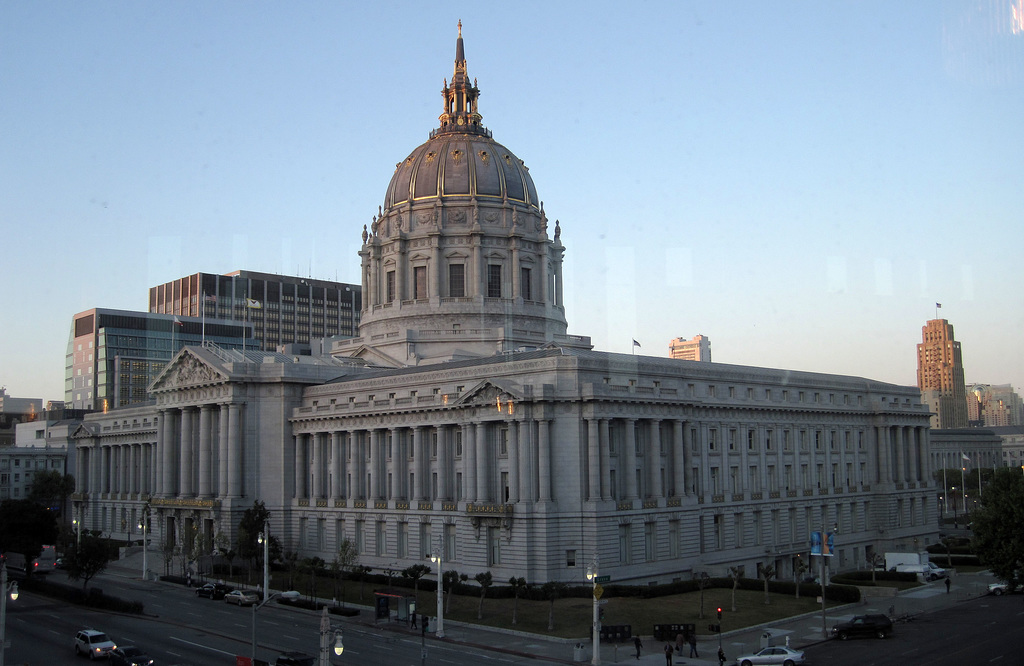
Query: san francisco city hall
{"points": [[465, 417]]}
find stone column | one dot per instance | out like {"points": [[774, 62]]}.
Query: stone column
{"points": [[419, 464], [901, 455], [337, 464], [235, 451], [679, 461], [168, 488], [513, 462], [317, 468], [375, 462], [187, 460], [654, 459], [544, 460], [483, 485], [300, 466], [604, 443], [469, 461], [205, 451], [443, 461], [593, 459], [629, 458], [222, 450]]}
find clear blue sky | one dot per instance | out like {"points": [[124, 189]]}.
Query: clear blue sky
{"points": [[799, 181]]}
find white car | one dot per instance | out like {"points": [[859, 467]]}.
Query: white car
{"points": [[1000, 588], [783, 656], [93, 643]]}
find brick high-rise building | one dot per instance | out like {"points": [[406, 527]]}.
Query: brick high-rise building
{"points": [[940, 375], [697, 348]]}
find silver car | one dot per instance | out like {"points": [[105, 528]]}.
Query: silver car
{"points": [[241, 597], [773, 655]]}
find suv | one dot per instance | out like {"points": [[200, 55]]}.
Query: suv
{"points": [[215, 591], [93, 643], [864, 625], [294, 659]]}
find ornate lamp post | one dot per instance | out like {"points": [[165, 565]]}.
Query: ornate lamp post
{"points": [[327, 633], [145, 547], [11, 589], [264, 538], [437, 559], [592, 574]]}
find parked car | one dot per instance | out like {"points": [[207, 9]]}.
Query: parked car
{"points": [[129, 655], [1001, 588], [294, 659], [215, 591], [864, 625], [93, 643], [783, 656], [241, 597]]}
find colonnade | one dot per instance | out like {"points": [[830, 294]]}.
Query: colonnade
{"points": [[201, 451], [118, 468]]}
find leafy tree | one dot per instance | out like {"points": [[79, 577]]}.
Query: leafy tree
{"points": [[343, 563], [254, 520], [89, 559], [517, 585], [998, 537], [51, 488], [415, 572], [451, 579], [736, 573], [767, 572], [25, 527], [484, 579], [553, 590]]}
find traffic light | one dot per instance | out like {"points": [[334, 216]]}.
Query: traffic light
{"points": [[719, 612], [600, 615]]}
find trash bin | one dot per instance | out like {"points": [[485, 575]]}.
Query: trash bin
{"points": [[768, 638], [577, 652]]}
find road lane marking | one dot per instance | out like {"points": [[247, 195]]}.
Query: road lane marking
{"points": [[200, 645]]}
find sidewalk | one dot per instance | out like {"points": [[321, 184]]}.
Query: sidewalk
{"points": [[802, 631]]}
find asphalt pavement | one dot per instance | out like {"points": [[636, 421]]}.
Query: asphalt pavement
{"points": [[798, 632]]}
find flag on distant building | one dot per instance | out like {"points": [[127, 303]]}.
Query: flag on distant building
{"points": [[253, 303], [962, 455], [938, 305], [635, 343], [177, 322]]}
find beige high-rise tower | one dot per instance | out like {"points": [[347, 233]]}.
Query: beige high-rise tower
{"points": [[940, 375]]}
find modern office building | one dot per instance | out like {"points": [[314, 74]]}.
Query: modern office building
{"points": [[464, 419], [697, 348], [14, 411], [113, 355], [940, 375], [283, 310]]}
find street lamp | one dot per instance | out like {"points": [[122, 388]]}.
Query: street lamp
{"points": [[145, 562], [592, 574], [436, 559], [264, 538], [326, 633], [11, 589]]}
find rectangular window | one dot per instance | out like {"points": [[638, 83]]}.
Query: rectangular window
{"points": [[456, 280], [379, 538], [425, 549], [403, 539], [525, 284], [624, 544], [493, 547], [419, 282], [494, 280], [570, 558], [650, 552], [391, 286], [673, 539]]}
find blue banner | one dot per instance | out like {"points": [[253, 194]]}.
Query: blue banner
{"points": [[816, 544]]}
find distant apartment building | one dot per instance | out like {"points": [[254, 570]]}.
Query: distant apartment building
{"points": [[697, 348], [14, 411], [1012, 445], [940, 375], [994, 405], [282, 309], [113, 355], [19, 465]]}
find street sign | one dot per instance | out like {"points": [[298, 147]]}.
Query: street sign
{"points": [[603, 579], [598, 591]]}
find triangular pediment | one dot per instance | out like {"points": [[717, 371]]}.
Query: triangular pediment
{"points": [[187, 370], [491, 392], [83, 430], [373, 356]]}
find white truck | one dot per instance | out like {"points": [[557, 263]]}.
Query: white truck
{"points": [[914, 563], [41, 565], [894, 559]]}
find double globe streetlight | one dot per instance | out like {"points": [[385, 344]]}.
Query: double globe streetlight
{"points": [[593, 573], [12, 590], [327, 634]]}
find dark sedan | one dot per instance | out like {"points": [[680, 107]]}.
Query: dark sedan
{"points": [[129, 655], [215, 591]]}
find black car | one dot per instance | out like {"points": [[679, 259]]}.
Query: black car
{"points": [[215, 591], [294, 659], [129, 655], [864, 625]]}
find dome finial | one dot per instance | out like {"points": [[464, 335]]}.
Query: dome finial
{"points": [[460, 27]]}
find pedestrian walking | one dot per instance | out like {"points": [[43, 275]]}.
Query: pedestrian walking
{"points": [[693, 646], [721, 657], [668, 654], [638, 645], [680, 642], [948, 583]]}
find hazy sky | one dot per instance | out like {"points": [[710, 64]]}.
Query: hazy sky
{"points": [[799, 181]]}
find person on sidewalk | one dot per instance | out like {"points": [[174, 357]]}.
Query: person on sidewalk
{"points": [[693, 646], [721, 657], [680, 642], [638, 645], [668, 654], [948, 583]]}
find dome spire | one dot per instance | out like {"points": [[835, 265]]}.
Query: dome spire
{"points": [[460, 98]]}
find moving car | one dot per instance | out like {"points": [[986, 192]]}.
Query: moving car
{"points": [[93, 643], [129, 655], [215, 591], [294, 659], [864, 625], [783, 656], [241, 597]]}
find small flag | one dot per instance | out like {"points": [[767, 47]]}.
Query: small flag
{"points": [[635, 343], [964, 457], [210, 299], [938, 305], [253, 303], [177, 322]]}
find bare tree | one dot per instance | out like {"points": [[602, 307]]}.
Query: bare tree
{"points": [[451, 579], [702, 582], [484, 579], [517, 585], [553, 590], [767, 572], [799, 569], [736, 573]]}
